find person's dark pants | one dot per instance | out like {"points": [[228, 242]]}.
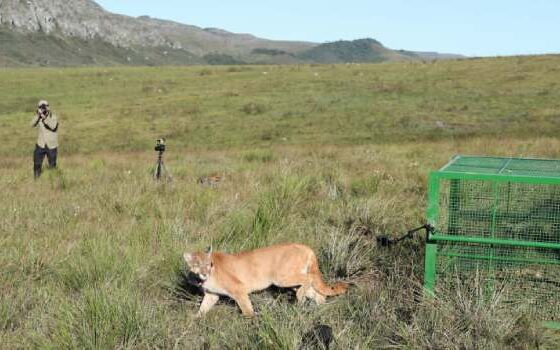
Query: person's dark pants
{"points": [[39, 156]]}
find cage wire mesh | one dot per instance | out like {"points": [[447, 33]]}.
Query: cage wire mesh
{"points": [[498, 219]]}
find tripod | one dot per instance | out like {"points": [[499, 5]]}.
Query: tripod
{"points": [[160, 169]]}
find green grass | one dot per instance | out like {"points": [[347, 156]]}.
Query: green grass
{"points": [[91, 254], [125, 109]]}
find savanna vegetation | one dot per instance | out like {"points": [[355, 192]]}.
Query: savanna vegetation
{"points": [[91, 254]]}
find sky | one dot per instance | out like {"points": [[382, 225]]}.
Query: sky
{"points": [[467, 27]]}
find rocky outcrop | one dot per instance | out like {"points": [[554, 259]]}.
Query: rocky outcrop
{"points": [[85, 19], [80, 32]]}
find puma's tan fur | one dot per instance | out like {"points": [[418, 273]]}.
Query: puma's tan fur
{"points": [[237, 275]]}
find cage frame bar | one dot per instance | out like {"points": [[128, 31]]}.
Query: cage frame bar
{"points": [[435, 237]]}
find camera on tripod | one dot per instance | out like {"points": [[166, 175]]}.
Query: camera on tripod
{"points": [[159, 169], [160, 145]]}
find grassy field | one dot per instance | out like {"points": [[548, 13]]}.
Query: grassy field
{"points": [[323, 155], [126, 109]]}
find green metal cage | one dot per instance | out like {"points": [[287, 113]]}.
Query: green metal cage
{"points": [[497, 221]]}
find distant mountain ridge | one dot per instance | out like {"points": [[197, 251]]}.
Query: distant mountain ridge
{"points": [[80, 32]]}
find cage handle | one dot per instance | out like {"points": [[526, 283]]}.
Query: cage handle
{"points": [[385, 241]]}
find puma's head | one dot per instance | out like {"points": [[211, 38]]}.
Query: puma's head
{"points": [[199, 263]]}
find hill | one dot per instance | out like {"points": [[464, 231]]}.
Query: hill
{"points": [[363, 50], [80, 32]]}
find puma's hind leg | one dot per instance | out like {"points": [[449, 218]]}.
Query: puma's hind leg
{"points": [[310, 293], [314, 295], [301, 280], [302, 292], [318, 297]]}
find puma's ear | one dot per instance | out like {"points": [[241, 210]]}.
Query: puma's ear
{"points": [[209, 256], [209, 252]]}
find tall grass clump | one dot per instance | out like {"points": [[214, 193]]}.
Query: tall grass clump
{"points": [[468, 315], [101, 319], [15, 306], [259, 156], [278, 327], [260, 226], [345, 254], [365, 187], [57, 179], [96, 263]]}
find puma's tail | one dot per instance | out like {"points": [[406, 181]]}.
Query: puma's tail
{"points": [[320, 286]]}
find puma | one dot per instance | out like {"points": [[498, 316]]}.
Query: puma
{"points": [[237, 275]]}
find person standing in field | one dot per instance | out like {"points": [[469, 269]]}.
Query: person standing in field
{"points": [[47, 140]]}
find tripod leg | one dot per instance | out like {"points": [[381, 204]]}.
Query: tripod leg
{"points": [[160, 169], [157, 170], [164, 172]]}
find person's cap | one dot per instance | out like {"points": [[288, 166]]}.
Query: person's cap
{"points": [[42, 103]]}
